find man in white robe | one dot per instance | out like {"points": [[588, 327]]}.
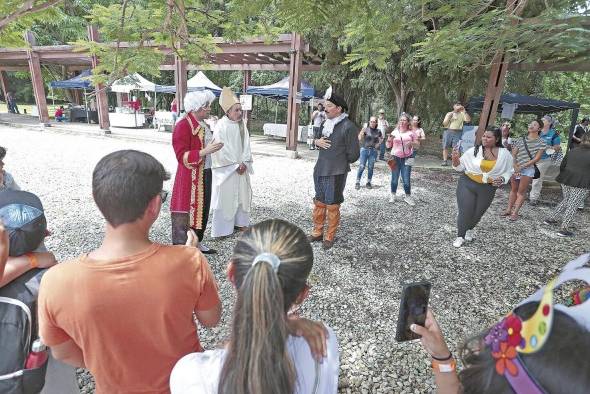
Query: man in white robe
{"points": [[231, 166]]}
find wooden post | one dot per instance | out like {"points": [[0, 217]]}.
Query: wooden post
{"points": [[245, 83], [496, 80], [493, 92], [4, 85], [37, 80], [180, 82], [296, 60], [102, 106]]}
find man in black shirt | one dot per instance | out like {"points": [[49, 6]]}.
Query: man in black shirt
{"points": [[338, 144]]}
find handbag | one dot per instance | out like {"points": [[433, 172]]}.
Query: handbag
{"points": [[537, 172]]}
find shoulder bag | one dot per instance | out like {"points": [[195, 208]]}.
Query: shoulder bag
{"points": [[537, 172], [409, 160]]}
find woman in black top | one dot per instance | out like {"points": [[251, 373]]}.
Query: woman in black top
{"points": [[575, 183]]}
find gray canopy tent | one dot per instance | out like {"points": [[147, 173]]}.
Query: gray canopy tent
{"points": [[530, 105]]}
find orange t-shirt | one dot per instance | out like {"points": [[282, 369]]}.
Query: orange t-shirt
{"points": [[131, 317]]}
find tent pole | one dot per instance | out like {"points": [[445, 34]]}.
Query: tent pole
{"points": [[276, 110], [86, 106], [575, 113]]}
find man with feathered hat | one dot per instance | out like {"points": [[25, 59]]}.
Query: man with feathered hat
{"points": [[193, 144], [338, 147], [232, 166]]}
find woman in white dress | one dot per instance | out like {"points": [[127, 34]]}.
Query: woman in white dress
{"points": [[269, 267]]}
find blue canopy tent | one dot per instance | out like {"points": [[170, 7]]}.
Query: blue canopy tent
{"points": [[80, 82], [280, 90]]}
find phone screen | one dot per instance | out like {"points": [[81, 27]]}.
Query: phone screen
{"points": [[412, 310]]}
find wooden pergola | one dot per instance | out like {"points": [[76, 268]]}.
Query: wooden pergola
{"points": [[289, 52]]}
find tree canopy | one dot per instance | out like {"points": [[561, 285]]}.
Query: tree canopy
{"points": [[413, 55]]}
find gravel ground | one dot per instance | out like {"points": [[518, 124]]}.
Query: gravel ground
{"points": [[356, 285]]}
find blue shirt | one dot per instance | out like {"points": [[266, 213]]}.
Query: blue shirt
{"points": [[551, 138]]}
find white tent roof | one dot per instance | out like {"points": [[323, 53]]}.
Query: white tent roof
{"points": [[200, 80], [133, 82]]}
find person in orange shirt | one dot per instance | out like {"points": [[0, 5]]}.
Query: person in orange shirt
{"points": [[125, 310]]}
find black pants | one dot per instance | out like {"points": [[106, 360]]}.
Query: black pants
{"points": [[473, 200], [180, 220]]}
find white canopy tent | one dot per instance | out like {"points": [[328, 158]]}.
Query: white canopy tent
{"points": [[200, 81], [135, 82]]}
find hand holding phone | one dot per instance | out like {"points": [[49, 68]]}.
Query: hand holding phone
{"points": [[432, 337], [412, 310]]}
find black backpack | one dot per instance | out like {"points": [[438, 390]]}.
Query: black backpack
{"points": [[18, 330], [23, 216]]}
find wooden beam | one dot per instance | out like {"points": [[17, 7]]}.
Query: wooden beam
{"points": [[579, 67], [37, 80], [294, 83], [102, 105], [15, 68], [496, 80], [242, 67]]}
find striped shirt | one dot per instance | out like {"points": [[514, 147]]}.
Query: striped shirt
{"points": [[534, 146]]}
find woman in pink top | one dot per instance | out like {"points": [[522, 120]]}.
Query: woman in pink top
{"points": [[402, 142]]}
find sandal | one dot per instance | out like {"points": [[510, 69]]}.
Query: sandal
{"points": [[506, 213], [513, 217]]}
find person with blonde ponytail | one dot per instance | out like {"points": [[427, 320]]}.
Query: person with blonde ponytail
{"points": [[269, 268]]}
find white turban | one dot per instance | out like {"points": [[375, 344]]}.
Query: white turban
{"points": [[199, 99]]}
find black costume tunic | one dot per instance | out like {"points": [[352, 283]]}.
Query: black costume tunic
{"points": [[333, 164]]}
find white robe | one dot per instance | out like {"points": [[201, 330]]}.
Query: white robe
{"points": [[231, 194]]}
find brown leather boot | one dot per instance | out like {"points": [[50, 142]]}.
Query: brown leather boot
{"points": [[319, 217], [333, 222]]}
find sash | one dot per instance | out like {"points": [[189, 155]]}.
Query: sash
{"points": [[197, 200]]}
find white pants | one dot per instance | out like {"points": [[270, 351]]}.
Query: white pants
{"points": [[547, 169], [220, 227]]}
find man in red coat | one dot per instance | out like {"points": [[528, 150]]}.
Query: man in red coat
{"points": [[193, 144]]}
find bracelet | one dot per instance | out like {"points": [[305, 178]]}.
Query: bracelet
{"points": [[444, 368], [450, 356], [33, 262]]}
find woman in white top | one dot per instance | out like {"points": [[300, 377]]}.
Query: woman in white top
{"points": [[269, 267], [485, 167]]}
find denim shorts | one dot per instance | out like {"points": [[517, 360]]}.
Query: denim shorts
{"points": [[529, 171]]}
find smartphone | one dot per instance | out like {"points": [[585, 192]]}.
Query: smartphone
{"points": [[458, 145], [412, 309]]}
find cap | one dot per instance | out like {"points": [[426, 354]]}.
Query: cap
{"points": [[23, 216]]}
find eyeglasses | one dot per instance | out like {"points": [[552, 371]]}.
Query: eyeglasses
{"points": [[164, 195]]}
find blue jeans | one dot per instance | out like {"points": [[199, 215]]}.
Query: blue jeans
{"points": [[382, 151], [405, 172], [368, 158]]}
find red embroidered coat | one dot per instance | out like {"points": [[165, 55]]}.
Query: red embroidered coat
{"points": [[188, 192]]}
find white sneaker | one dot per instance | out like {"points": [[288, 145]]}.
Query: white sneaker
{"points": [[469, 235], [392, 197], [409, 200], [458, 242]]}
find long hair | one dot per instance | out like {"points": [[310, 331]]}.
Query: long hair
{"points": [[560, 367], [497, 136], [257, 359]]}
